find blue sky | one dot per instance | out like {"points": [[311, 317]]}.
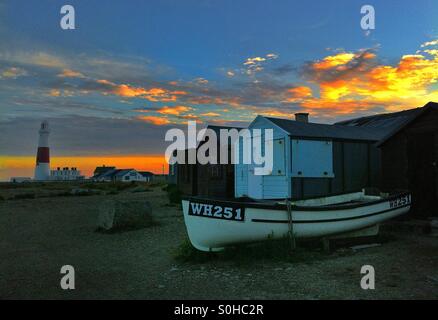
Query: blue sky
{"points": [[152, 65]]}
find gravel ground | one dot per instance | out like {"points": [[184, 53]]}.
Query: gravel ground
{"points": [[38, 236]]}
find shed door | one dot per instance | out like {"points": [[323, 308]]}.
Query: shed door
{"points": [[279, 162], [255, 189], [422, 173]]}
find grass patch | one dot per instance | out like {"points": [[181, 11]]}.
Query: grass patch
{"points": [[278, 250], [140, 189]]}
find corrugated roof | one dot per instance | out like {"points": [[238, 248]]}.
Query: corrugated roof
{"points": [[389, 123], [326, 131]]}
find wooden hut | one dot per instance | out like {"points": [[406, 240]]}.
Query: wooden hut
{"points": [[186, 177], [409, 153], [207, 179], [311, 160]]}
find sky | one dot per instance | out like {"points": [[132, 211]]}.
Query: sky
{"points": [[131, 70]]}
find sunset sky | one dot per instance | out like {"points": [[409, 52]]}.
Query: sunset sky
{"points": [[133, 69]]}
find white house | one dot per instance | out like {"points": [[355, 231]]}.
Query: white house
{"points": [[309, 159], [128, 175]]}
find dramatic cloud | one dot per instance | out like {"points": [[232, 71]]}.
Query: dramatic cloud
{"points": [[345, 82], [351, 82]]}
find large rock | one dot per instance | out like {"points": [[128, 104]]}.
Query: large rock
{"points": [[122, 214]]}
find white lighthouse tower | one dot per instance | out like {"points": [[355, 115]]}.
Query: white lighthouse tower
{"points": [[42, 168]]}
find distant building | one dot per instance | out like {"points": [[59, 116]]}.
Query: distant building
{"points": [[65, 174], [20, 179], [102, 169], [147, 176], [159, 178], [108, 174], [127, 175]]}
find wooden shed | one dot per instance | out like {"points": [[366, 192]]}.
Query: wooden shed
{"points": [[186, 177], [409, 153], [215, 180], [311, 159]]}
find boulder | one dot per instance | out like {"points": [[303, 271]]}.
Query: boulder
{"points": [[124, 214]]}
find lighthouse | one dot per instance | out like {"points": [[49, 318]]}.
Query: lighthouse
{"points": [[42, 168]]}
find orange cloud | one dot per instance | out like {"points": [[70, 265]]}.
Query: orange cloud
{"points": [[67, 73], [333, 61], [176, 110], [153, 94], [158, 121], [106, 82], [54, 93], [297, 94], [210, 114]]}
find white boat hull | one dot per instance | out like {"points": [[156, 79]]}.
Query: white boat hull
{"points": [[260, 222]]}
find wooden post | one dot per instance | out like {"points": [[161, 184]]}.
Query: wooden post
{"points": [[291, 227]]}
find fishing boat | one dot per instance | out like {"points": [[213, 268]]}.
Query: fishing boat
{"points": [[213, 224]]}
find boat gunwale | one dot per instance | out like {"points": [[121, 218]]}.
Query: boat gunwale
{"points": [[279, 206]]}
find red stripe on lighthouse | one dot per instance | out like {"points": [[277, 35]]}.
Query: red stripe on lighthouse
{"points": [[43, 155]]}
